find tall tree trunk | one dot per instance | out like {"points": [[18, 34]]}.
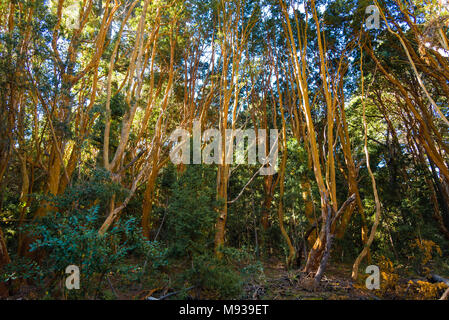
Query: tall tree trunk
{"points": [[4, 259], [267, 201], [148, 206]]}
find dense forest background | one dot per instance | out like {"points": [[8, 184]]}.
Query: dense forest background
{"points": [[91, 90]]}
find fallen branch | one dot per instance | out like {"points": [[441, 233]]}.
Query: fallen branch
{"points": [[445, 295], [434, 278], [170, 294], [111, 286]]}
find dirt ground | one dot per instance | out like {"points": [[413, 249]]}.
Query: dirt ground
{"points": [[281, 284]]}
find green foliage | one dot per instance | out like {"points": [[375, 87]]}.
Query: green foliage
{"points": [[74, 239], [191, 212], [93, 185], [216, 278], [69, 236], [21, 268], [244, 256]]}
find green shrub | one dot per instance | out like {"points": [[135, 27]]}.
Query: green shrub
{"points": [[217, 279], [74, 239], [68, 235], [191, 213]]}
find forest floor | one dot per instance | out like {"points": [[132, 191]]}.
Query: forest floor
{"points": [[278, 283], [275, 283], [282, 284]]}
